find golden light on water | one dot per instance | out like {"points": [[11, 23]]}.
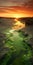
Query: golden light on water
{"points": [[18, 25]]}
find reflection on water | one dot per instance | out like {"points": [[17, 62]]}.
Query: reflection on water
{"points": [[18, 25]]}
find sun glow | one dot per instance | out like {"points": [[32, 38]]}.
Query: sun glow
{"points": [[17, 15], [16, 12]]}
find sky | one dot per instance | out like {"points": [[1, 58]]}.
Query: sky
{"points": [[16, 8]]}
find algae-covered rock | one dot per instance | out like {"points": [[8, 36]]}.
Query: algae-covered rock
{"points": [[19, 53]]}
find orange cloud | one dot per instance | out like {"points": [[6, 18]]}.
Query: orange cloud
{"points": [[16, 11]]}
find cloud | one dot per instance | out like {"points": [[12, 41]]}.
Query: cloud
{"points": [[16, 6], [26, 3], [13, 11]]}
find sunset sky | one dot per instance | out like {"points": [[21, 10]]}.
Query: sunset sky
{"points": [[16, 8]]}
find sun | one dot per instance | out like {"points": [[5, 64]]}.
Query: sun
{"points": [[17, 15]]}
